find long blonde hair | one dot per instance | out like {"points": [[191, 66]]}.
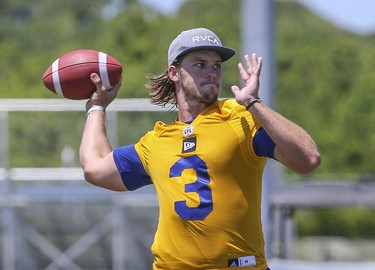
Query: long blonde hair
{"points": [[162, 90]]}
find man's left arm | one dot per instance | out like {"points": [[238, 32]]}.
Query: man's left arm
{"points": [[294, 147]]}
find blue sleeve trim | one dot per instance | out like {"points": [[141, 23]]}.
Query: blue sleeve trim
{"points": [[263, 144], [131, 168]]}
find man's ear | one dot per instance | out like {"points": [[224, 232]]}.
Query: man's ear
{"points": [[173, 73]]}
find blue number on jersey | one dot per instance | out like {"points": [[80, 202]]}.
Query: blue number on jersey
{"points": [[200, 186]]}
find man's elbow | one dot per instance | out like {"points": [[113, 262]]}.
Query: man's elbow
{"points": [[88, 177], [106, 180], [311, 164], [91, 175]]}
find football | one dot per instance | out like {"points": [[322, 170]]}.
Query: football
{"points": [[69, 75]]}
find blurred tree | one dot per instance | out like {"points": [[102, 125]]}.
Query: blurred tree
{"points": [[324, 75], [33, 37]]}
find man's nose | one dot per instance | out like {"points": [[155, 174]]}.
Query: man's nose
{"points": [[212, 74]]}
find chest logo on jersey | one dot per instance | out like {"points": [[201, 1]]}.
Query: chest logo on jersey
{"points": [[188, 131], [189, 145], [242, 261]]}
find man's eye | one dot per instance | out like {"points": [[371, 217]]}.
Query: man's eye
{"points": [[218, 66]]}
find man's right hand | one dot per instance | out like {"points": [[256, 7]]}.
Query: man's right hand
{"points": [[102, 96]]}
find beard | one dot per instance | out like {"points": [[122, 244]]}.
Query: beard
{"points": [[208, 96], [206, 92]]}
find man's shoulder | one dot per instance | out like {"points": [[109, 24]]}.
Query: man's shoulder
{"points": [[230, 105], [228, 102]]}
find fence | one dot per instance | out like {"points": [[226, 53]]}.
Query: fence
{"points": [[52, 219], [31, 197]]}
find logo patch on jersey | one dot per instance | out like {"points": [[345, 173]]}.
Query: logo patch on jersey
{"points": [[188, 131], [232, 263], [242, 261], [189, 145]]}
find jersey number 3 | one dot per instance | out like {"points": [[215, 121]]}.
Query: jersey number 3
{"points": [[200, 186]]}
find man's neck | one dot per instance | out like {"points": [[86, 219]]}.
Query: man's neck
{"points": [[188, 111]]}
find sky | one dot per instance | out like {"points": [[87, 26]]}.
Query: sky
{"points": [[357, 16], [354, 15]]}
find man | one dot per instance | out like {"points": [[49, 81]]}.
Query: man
{"points": [[206, 166]]}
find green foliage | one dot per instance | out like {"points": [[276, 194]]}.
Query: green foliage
{"points": [[324, 84], [39, 138], [324, 78], [324, 75], [135, 34], [352, 222]]}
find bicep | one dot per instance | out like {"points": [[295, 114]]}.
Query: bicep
{"points": [[265, 147], [280, 158], [130, 167]]}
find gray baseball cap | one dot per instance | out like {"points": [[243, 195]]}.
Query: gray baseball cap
{"points": [[197, 39]]}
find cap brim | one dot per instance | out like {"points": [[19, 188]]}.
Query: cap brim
{"points": [[225, 52]]}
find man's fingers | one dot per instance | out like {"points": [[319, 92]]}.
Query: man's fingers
{"points": [[235, 89], [244, 74], [97, 81], [95, 78]]}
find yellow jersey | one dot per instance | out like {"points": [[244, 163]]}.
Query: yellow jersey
{"points": [[208, 180]]}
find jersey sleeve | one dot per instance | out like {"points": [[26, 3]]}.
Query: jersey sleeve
{"points": [[263, 144], [131, 168]]}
